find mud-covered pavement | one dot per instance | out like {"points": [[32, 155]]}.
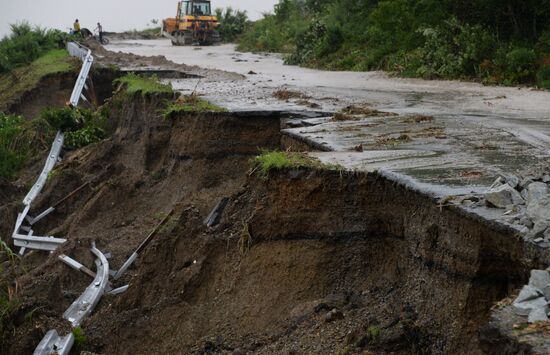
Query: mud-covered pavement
{"points": [[471, 133]]}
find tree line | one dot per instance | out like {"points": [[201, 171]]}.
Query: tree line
{"points": [[496, 42]]}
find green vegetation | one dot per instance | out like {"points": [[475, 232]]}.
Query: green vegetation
{"points": [[27, 77], [19, 141], [8, 301], [191, 103], [231, 23], [81, 126], [373, 335], [496, 42], [277, 160], [26, 44], [80, 338], [145, 85], [22, 139]]}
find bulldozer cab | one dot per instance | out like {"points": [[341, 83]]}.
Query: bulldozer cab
{"points": [[194, 8]]}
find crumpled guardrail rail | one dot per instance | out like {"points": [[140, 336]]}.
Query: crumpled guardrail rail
{"points": [[52, 343], [27, 240], [84, 305], [87, 301]]}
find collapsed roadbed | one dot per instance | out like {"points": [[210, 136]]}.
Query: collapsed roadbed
{"points": [[309, 259]]}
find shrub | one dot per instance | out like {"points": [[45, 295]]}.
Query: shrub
{"points": [[93, 129], [20, 140], [543, 77], [453, 50], [81, 126], [64, 119], [232, 23], [521, 65], [25, 44], [266, 35]]}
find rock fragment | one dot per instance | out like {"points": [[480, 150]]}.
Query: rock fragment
{"points": [[538, 315], [333, 315], [525, 307], [539, 210], [534, 299], [536, 191], [503, 195], [539, 279], [527, 293]]}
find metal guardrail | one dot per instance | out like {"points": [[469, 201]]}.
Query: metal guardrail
{"points": [[77, 50], [23, 237], [52, 343], [48, 167], [28, 241], [87, 301], [81, 81]]}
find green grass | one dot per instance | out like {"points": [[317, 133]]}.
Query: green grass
{"points": [[145, 85], [7, 304], [191, 103], [80, 338], [27, 77], [277, 160], [20, 140]]}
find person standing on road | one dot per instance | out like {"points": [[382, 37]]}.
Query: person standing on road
{"points": [[99, 30], [76, 27]]}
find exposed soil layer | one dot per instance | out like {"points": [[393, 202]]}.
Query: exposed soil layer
{"points": [[301, 243], [148, 166], [55, 90], [303, 260]]}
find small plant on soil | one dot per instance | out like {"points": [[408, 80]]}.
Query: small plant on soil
{"points": [[373, 335], [80, 339], [190, 103], [8, 299], [277, 160], [245, 241], [145, 85]]}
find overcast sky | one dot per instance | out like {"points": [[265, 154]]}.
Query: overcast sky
{"points": [[114, 15]]}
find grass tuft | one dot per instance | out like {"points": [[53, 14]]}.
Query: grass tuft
{"points": [[145, 85], [277, 160], [80, 338], [190, 103]]}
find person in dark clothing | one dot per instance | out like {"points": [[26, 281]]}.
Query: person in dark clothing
{"points": [[99, 30]]}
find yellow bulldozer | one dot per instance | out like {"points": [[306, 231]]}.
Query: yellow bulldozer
{"points": [[194, 24]]}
